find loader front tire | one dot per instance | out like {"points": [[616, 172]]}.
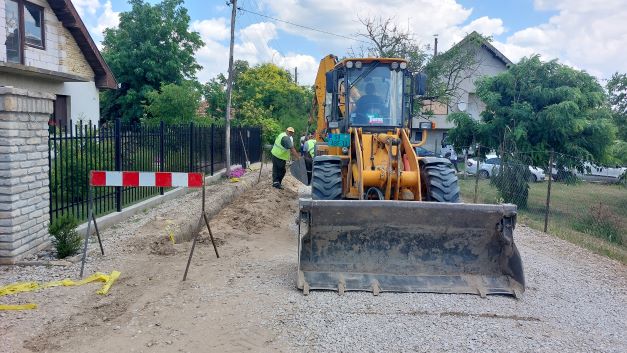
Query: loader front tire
{"points": [[439, 180], [326, 178]]}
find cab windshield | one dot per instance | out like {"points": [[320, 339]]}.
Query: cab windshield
{"points": [[376, 96]]}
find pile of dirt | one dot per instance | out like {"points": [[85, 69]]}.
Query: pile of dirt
{"points": [[261, 207]]}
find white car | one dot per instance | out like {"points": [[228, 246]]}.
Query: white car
{"points": [[591, 172], [492, 165]]}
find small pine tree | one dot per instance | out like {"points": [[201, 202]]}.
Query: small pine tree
{"points": [[66, 239]]}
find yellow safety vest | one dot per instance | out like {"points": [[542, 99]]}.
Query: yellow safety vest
{"points": [[278, 150], [310, 146]]}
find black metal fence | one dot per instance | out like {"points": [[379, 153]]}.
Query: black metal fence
{"points": [[79, 148]]}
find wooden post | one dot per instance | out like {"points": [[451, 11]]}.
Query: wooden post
{"points": [[548, 193], [229, 88]]}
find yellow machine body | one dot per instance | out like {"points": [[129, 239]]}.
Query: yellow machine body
{"points": [[381, 218]]}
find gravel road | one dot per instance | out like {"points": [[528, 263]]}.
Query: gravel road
{"points": [[247, 301]]}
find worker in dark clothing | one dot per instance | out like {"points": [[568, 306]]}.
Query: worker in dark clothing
{"points": [[283, 145]]}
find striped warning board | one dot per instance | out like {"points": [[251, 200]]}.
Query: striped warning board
{"points": [[158, 179]]}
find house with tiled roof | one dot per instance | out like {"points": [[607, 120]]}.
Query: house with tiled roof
{"points": [[489, 62], [45, 47]]}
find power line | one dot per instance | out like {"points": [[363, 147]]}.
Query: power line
{"points": [[302, 26]]}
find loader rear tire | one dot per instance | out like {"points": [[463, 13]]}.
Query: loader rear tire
{"points": [[440, 180], [326, 178]]}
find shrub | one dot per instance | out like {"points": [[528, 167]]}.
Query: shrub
{"points": [[512, 183], [601, 222], [65, 238]]}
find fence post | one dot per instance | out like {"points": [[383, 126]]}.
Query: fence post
{"points": [[118, 162], [548, 192], [212, 143], [191, 147], [465, 175], [161, 151], [477, 172]]}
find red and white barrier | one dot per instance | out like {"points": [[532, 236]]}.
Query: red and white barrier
{"points": [[137, 179]]}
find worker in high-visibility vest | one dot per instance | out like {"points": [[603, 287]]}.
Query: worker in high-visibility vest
{"points": [[283, 145], [309, 148]]}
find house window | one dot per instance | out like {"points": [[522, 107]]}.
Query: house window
{"points": [[14, 52], [33, 25], [25, 26]]}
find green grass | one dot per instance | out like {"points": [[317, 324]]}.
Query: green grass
{"points": [[591, 215]]}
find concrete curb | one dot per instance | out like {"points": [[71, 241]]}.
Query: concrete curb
{"points": [[111, 219]]}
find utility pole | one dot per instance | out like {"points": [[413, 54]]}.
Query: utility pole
{"points": [[435, 45], [229, 87]]}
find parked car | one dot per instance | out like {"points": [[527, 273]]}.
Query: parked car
{"points": [[423, 152], [447, 148], [492, 165], [590, 172]]}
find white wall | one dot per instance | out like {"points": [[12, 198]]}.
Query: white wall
{"points": [[84, 101], [84, 98], [488, 66]]}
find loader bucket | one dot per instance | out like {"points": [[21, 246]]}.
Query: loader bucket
{"points": [[408, 246]]}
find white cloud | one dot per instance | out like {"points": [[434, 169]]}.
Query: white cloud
{"points": [[589, 35], [424, 18], [212, 29], [253, 45], [86, 7], [107, 19]]}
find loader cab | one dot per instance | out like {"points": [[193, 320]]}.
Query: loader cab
{"points": [[374, 94]]}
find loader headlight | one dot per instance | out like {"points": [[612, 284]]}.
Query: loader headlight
{"points": [[394, 65], [358, 64], [344, 150], [349, 64], [403, 65]]}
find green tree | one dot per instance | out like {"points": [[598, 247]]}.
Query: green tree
{"points": [[466, 131], [264, 95], [151, 46], [173, 103], [617, 90], [273, 88], [539, 106]]}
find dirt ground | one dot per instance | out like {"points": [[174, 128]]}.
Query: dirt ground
{"points": [[149, 308], [247, 301]]}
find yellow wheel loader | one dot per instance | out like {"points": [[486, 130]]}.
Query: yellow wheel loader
{"points": [[380, 218]]}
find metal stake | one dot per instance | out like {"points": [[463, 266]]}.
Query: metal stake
{"points": [[97, 232], [204, 216], [89, 219]]}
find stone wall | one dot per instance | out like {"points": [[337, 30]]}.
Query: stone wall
{"points": [[24, 191]]}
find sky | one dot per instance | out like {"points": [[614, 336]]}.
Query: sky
{"points": [[589, 35]]}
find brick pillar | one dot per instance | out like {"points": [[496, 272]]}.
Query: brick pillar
{"points": [[24, 191]]}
